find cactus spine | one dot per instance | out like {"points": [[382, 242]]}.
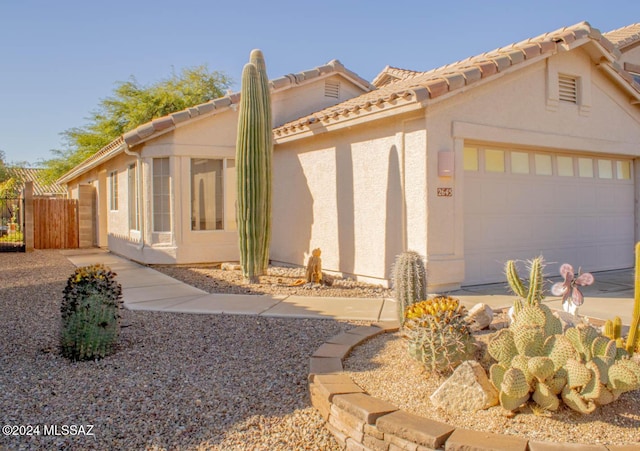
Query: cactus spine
{"points": [[90, 313], [254, 146], [409, 281], [438, 335], [632, 339], [533, 294]]}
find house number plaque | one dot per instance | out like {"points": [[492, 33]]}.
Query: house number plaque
{"points": [[445, 192]]}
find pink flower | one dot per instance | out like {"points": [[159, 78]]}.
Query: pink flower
{"points": [[569, 288]]}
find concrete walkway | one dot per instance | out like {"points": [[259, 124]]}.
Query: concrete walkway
{"points": [[144, 288], [147, 289]]}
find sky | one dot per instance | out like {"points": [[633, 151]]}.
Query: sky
{"points": [[58, 59]]}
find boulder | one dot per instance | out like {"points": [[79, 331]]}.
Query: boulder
{"points": [[569, 320], [231, 266], [467, 389], [480, 316]]}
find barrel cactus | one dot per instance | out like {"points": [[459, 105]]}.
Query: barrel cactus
{"points": [[438, 335], [90, 313], [409, 281], [254, 146]]}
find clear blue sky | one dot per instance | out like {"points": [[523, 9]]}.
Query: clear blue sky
{"points": [[59, 58]]}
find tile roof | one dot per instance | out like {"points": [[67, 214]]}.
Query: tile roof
{"points": [[167, 123], [435, 83], [392, 74], [625, 36], [40, 186]]}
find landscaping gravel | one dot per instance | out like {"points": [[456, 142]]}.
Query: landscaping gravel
{"points": [[176, 381], [375, 365], [279, 280]]}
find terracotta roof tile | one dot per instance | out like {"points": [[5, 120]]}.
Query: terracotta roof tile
{"points": [[392, 74], [166, 123], [418, 86], [40, 186], [625, 36]]}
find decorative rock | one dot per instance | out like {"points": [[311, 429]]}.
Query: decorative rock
{"points": [[480, 316], [231, 267], [568, 320], [468, 388]]}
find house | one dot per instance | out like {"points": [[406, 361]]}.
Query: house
{"points": [[527, 149], [165, 192]]}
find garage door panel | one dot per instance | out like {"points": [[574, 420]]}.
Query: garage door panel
{"points": [[584, 221]]}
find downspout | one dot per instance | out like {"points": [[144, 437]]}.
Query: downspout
{"points": [[140, 246]]}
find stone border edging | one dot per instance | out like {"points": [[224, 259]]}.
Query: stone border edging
{"points": [[361, 422]]}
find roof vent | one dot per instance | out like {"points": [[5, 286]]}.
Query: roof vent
{"points": [[332, 89], [568, 88]]}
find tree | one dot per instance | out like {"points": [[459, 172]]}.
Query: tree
{"points": [[133, 104]]}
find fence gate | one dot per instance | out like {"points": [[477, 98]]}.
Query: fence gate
{"points": [[11, 224], [55, 223]]}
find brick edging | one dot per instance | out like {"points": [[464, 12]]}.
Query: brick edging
{"points": [[362, 422]]}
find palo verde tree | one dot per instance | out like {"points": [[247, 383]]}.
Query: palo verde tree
{"points": [[254, 146], [133, 104]]}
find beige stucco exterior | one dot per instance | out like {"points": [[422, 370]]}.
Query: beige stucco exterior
{"points": [[210, 136], [366, 192], [363, 184]]}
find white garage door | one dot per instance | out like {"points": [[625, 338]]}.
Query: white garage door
{"points": [[570, 208]]}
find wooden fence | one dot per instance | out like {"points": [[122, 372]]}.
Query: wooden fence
{"points": [[55, 223]]}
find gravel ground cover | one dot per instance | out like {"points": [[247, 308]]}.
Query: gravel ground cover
{"points": [[375, 365], [177, 381], [279, 280]]}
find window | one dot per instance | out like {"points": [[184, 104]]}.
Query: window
{"points": [[207, 197], [519, 162], [113, 190], [543, 164], [567, 88], [470, 159], [623, 170], [134, 213], [605, 169], [565, 166], [161, 195], [494, 160], [585, 167]]}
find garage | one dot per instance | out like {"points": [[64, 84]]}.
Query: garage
{"points": [[569, 207]]}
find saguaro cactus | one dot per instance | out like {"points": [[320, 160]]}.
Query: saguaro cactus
{"points": [[254, 146], [632, 339]]}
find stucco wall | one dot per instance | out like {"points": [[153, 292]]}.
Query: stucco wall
{"points": [[298, 101], [517, 110], [632, 55], [339, 191], [343, 193]]}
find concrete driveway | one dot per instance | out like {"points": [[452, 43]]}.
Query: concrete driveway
{"points": [[610, 295]]}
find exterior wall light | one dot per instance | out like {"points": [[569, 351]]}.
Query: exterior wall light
{"points": [[445, 163]]}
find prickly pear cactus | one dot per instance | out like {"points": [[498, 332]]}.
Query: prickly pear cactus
{"points": [[581, 366], [438, 335]]}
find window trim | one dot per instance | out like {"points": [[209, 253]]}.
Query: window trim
{"points": [[154, 195], [113, 191], [133, 197]]}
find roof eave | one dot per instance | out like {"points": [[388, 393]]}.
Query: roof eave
{"points": [[312, 126], [90, 163]]}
